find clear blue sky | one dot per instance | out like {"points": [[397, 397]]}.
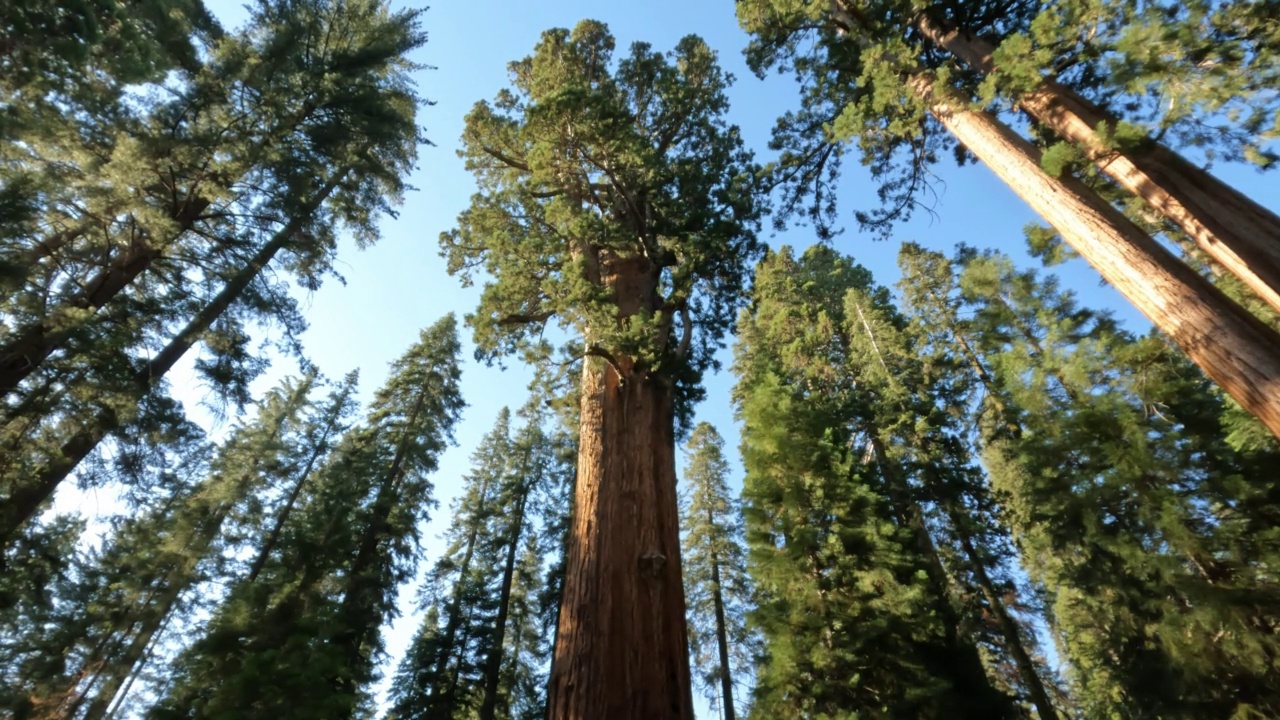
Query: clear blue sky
{"points": [[400, 285]]}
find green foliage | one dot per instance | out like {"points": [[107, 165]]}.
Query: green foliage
{"points": [[153, 234], [1198, 76], [854, 616], [713, 561], [301, 639], [1129, 507], [480, 633], [613, 199]]}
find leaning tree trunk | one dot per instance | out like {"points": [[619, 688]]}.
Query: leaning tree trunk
{"points": [[1009, 629], [28, 348], [27, 499], [1232, 346], [319, 449], [622, 645], [362, 586], [1236, 232], [963, 666]]}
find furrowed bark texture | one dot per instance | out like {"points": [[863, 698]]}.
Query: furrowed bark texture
{"points": [[622, 644], [1229, 227], [1232, 346]]}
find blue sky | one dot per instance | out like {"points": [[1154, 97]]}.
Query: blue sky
{"points": [[400, 285]]}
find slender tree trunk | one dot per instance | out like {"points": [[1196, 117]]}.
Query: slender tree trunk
{"points": [[286, 510], [1232, 346], [493, 663], [29, 347], [124, 667], [137, 670], [27, 499], [352, 634], [622, 648], [1238, 233], [1008, 626], [454, 619], [722, 631], [967, 672]]}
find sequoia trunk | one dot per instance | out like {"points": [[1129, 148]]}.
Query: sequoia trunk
{"points": [[1232, 346], [622, 645], [1236, 232]]}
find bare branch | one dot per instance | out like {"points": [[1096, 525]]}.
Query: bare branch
{"points": [[686, 337]]}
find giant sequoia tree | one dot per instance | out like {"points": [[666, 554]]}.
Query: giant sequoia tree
{"points": [[617, 202], [867, 73]]}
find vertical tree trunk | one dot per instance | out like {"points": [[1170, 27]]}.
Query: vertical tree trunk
{"points": [[493, 663], [1232, 346], [622, 649], [1238, 233], [26, 500], [1008, 626], [722, 631], [454, 619]]}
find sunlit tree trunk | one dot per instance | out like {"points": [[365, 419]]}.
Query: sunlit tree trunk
{"points": [[1232, 346], [1239, 234], [622, 644]]}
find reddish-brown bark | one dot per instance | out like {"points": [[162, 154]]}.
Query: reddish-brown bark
{"points": [[622, 645], [1229, 227], [1232, 346]]}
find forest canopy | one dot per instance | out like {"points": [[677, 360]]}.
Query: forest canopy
{"points": [[767, 359]]}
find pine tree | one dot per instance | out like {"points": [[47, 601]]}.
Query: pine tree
{"points": [[301, 639], [898, 98], [88, 340], [480, 648], [1119, 481], [441, 675], [587, 170], [854, 610], [144, 576], [715, 571]]}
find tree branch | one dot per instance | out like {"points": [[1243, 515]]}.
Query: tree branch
{"points": [[686, 336], [522, 319], [597, 351], [504, 159]]}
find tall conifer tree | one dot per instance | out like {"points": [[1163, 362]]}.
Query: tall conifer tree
{"points": [[301, 639], [243, 168], [855, 609], [866, 74], [587, 170], [715, 572]]}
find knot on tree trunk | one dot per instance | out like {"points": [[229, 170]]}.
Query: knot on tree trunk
{"points": [[651, 564]]}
